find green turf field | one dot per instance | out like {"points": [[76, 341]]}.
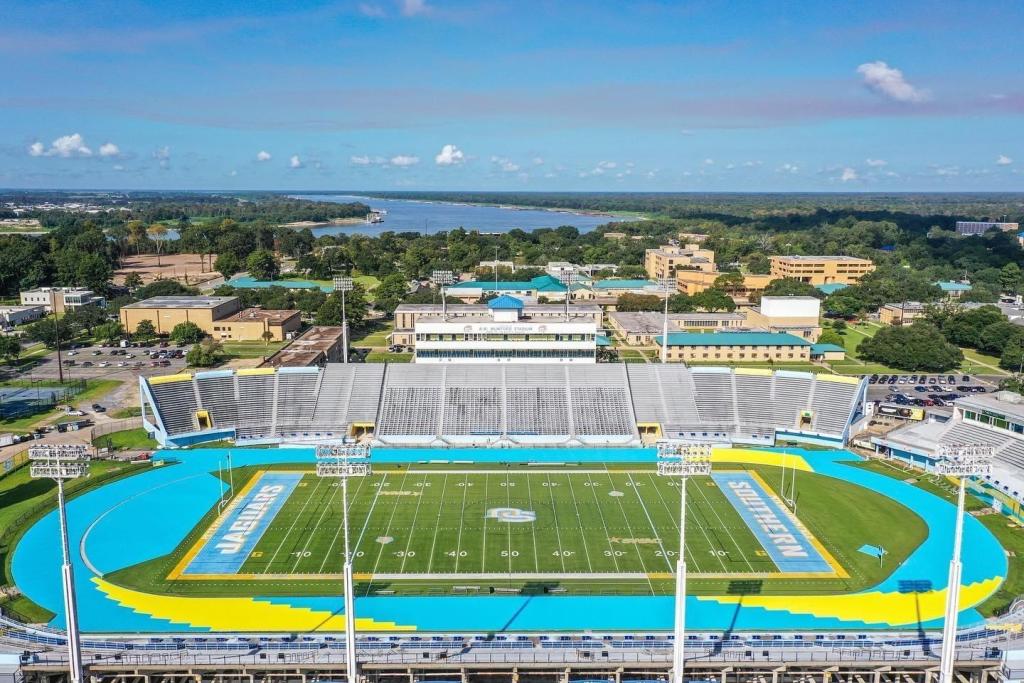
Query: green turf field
{"points": [[431, 523]]}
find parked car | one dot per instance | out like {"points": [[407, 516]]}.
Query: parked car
{"points": [[98, 408], [88, 364]]}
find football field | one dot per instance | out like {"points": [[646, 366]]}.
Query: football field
{"points": [[462, 524]]}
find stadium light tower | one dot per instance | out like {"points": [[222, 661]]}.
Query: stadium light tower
{"points": [[683, 460], [343, 284], [961, 460], [441, 279], [62, 462], [335, 460], [568, 278], [667, 285]]}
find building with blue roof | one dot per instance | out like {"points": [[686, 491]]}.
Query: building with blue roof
{"points": [[827, 352], [736, 347]]}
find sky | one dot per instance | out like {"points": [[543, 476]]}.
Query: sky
{"points": [[515, 95]]}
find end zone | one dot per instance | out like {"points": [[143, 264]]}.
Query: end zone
{"points": [[225, 546]]}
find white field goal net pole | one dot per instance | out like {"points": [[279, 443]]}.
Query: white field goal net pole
{"points": [[63, 462], [336, 461], [682, 460], [961, 461]]}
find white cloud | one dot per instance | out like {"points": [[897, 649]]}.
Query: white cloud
{"points": [[709, 162], [888, 81], [538, 161], [1004, 160], [450, 155], [65, 146], [359, 160], [404, 160], [947, 170], [411, 8], [233, 173], [606, 164], [295, 162], [163, 156], [788, 168], [752, 164], [876, 163], [848, 175], [109, 149], [368, 9], [118, 167], [263, 155], [506, 165]]}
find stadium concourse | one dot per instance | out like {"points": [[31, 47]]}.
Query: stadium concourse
{"points": [[404, 405]]}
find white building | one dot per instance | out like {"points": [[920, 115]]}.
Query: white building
{"points": [[60, 299], [981, 227], [505, 333], [16, 315]]}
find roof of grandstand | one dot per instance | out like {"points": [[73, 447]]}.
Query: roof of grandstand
{"points": [[732, 339]]}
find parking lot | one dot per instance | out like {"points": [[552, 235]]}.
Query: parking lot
{"points": [[927, 390], [97, 362]]}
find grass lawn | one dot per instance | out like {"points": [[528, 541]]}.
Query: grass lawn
{"points": [[253, 349], [374, 335], [388, 357], [976, 363], [621, 521], [129, 439], [24, 500], [123, 413], [368, 282]]}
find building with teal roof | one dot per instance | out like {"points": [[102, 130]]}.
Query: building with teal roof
{"points": [[831, 288], [542, 285], [736, 347], [954, 290], [827, 352]]}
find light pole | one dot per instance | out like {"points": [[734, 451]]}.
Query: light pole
{"points": [[961, 460], [568, 278], [441, 279], [343, 284], [335, 460], [683, 460], [667, 285], [62, 462]]}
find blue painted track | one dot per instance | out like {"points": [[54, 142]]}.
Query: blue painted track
{"points": [[145, 516]]}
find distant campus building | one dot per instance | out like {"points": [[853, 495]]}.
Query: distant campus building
{"points": [[221, 317], [965, 228], [821, 270], [663, 262], [61, 299]]}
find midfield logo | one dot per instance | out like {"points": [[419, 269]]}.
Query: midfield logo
{"points": [[513, 515]]}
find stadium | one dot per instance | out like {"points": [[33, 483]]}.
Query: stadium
{"points": [[512, 521]]}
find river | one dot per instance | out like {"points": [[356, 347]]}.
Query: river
{"points": [[406, 215]]}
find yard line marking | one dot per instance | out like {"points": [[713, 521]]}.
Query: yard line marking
{"points": [[607, 533], [335, 488], [366, 522], [295, 520], [508, 503], [337, 533], [729, 533], [629, 528], [394, 510], [558, 532], [689, 506], [533, 527], [462, 517], [483, 550], [579, 519], [654, 529], [437, 524], [415, 516]]}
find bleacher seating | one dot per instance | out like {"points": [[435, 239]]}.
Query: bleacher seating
{"points": [[517, 404]]}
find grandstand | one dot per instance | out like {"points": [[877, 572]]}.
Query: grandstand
{"points": [[511, 405]]}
